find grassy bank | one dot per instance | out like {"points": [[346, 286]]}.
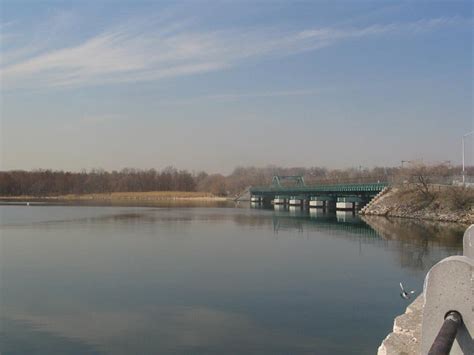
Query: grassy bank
{"points": [[430, 202], [123, 196]]}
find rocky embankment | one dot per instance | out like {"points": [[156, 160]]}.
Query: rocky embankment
{"points": [[444, 204]]}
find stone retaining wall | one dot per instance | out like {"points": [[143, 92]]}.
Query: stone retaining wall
{"points": [[406, 336]]}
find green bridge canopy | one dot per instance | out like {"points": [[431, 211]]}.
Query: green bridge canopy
{"points": [[363, 189]]}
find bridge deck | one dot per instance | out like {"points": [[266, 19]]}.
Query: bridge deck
{"points": [[345, 189]]}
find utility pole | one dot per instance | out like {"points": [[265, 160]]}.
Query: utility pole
{"points": [[463, 158]]}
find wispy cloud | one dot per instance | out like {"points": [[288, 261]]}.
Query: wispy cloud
{"points": [[227, 97], [282, 93], [137, 53]]}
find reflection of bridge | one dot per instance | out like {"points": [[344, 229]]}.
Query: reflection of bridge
{"points": [[363, 192], [416, 245], [287, 220]]}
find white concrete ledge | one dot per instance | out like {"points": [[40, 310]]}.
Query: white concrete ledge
{"points": [[406, 336]]}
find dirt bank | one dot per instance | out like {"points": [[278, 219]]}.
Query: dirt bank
{"points": [[434, 202]]}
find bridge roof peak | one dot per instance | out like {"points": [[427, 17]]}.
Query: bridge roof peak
{"points": [[298, 179]]}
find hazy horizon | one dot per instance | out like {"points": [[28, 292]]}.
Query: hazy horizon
{"points": [[212, 86]]}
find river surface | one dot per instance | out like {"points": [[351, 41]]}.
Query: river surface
{"points": [[145, 280]]}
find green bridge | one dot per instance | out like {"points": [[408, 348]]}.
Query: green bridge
{"points": [[362, 191]]}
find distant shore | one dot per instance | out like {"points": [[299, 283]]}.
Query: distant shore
{"points": [[123, 197]]}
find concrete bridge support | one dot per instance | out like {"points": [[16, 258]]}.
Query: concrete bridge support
{"points": [[322, 202], [296, 201], [345, 205], [280, 200], [348, 203], [317, 204]]}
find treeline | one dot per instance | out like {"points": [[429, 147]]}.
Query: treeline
{"points": [[49, 182], [243, 177]]}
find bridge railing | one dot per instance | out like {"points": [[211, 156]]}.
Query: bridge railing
{"points": [[393, 179], [349, 180], [335, 188], [448, 312]]}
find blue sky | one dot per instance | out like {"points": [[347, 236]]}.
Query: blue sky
{"points": [[207, 85]]}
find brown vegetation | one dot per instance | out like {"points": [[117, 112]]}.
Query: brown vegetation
{"points": [[438, 202], [53, 183], [59, 183], [126, 196]]}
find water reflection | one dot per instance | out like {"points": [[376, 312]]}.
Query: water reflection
{"points": [[319, 213], [419, 244], [186, 328], [84, 280], [346, 216], [280, 208]]}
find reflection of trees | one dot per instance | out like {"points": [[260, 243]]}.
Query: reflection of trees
{"points": [[419, 244]]}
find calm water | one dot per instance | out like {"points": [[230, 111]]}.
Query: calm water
{"points": [[121, 280]]}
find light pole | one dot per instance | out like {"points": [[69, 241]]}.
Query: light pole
{"points": [[463, 165]]}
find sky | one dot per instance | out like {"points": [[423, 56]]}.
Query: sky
{"points": [[208, 85]]}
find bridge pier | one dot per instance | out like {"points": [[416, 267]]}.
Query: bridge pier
{"points": [[348, 203], [280, 200], [345, 206], [296, 201], [316, 204], [322, 202], [256, 199]]}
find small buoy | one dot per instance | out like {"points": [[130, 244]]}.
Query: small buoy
{"points": [[27, 203]]}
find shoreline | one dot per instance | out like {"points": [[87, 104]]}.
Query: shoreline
{"points": [[427, 218], [147, 198]]}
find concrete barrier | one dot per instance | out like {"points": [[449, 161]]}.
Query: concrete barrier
{"points": [[449, 286], [468, 242]]}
